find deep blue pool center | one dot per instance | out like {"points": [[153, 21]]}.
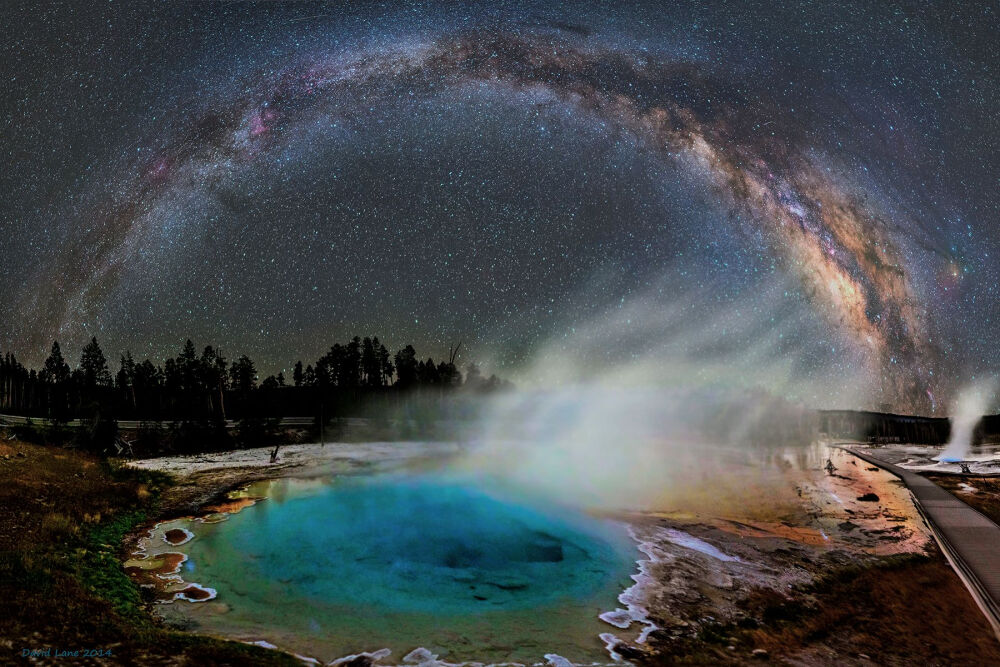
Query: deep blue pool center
{"points": [[426, 543]]}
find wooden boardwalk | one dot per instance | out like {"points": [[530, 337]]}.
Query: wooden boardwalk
{"points": [[969, 539]]}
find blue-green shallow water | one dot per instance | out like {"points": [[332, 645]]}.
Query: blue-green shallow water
{"points": [[399, 561]]}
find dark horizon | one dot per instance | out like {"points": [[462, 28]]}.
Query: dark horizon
{"points": [[265, 368]]}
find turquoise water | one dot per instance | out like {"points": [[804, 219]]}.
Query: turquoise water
{"points": [[350, 564]]}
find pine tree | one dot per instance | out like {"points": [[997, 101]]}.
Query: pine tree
{"points": [[371, 371], [385, 366], [243, 375], [94, 367], [189, 369], [125, 380], [352, 364], [56, 369], [213, 379], [406, 367]]}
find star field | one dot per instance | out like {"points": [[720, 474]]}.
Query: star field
{"points": [[274, 177]]}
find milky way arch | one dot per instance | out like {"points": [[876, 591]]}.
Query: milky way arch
{"points": [[841, 249]]}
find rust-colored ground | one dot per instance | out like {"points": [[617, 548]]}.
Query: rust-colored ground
{"points": [[908, 611], [175, 536], [231, 506], [904, 613], [62, 583]]}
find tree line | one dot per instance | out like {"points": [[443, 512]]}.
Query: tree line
{"points": [[207, 386]]}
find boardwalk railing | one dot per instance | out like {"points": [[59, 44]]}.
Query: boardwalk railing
{"points": [[969, 539]]}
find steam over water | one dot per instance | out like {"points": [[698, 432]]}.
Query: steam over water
{"points": [[360, 564]]}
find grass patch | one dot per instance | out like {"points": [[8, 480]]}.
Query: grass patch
{"points": [[101, 570], [63, 515]]}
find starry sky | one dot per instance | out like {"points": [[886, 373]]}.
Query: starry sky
{"points": [[275, 177]]}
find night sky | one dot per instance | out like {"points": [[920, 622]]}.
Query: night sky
{"points": [[277, 177]]}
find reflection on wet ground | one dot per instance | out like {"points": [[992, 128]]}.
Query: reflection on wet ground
{"points": [[814, 494], [781, 518], [729, 521], [982, 460]]}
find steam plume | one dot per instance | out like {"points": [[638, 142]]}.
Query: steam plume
{"points": [[972, 403]]}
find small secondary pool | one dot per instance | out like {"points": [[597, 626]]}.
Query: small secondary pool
{"points": [[332, 567]]}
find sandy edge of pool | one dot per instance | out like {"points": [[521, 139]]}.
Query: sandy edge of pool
{"points": [[665, 601], [205, 482]]}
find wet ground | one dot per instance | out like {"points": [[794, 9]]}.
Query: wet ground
{"points": [[703, 567], [982, 460], [733, 526]]}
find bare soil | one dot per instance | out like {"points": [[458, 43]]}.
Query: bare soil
{"points": [[836, 581], [62, 584]]}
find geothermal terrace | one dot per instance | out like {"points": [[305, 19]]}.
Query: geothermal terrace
{"points": [[968, 538]]}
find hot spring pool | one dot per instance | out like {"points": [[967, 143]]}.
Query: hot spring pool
{"points": [[333, 567]]}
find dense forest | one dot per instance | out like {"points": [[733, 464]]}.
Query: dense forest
{"points": [[199, 393]]}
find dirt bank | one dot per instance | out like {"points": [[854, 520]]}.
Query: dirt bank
{"points": [[844, 571], [823, 570], [62, 586], [815, 575]]}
